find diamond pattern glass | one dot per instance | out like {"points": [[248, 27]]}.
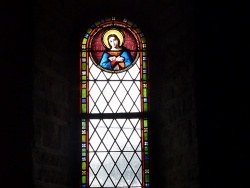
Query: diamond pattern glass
{"points": [[114, 105], [115, 153], [114, 92]]}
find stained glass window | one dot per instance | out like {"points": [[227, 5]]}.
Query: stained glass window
{"points": [[114, 105]]}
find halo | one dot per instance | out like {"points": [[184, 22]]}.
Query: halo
{"points": [[118, 33]]}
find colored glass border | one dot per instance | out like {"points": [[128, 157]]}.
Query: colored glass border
{"points": [[84, 56]]}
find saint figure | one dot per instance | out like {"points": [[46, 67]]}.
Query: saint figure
{"points": [[116, 56]]}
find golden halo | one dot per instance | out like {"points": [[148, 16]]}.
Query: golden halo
{"points": [[118, 33]]}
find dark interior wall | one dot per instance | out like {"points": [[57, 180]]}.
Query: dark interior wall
{"points": [[222, 74], [16, 94], [39, 110], [58, 28]]}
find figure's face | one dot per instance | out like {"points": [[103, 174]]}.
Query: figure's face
{"points": [[114, 43]]}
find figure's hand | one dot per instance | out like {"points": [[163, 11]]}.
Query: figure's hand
{"points": [[119, 58], [112, 58]]}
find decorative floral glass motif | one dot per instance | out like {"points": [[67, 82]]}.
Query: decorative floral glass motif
{"points": [[114, 105]]}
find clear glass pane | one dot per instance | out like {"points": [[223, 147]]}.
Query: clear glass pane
{"points": [[114, 92], [108, 137]]}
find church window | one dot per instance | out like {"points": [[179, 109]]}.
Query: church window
{"points": [[114, 105]]}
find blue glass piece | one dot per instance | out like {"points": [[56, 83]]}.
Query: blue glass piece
{"points": [[142, 35], [83, 158], [144, 58], [83, 145], [146, 157], [146, 143], [86, 35], [84, 59], [84, 186], [144, 70], [147, 184], [145, 99], [102, 20], [83, 100]]}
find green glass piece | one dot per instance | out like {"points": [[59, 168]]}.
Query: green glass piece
{"points": [[146, 148], [83, 179], [89, 30], [83, 165], [97, 23], [146, 164], [143, 39], [138, 30], [83, 124], [108, 19], [83, 54], [145, 92], [84, 93], [146, 136], [145, 107], [147, 178], [145, 121], [83, 152], [144, 53], [84, 41], [83, 66], [144, 64], [83, 138], [84, 77], [129, 22], [83, 108], [144, 77]]}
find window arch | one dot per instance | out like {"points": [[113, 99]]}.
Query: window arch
{"points": [[114, 105]]}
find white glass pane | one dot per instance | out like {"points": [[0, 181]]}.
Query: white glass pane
{"points": [[102, 176], [122, 183], [115, 175], [115, 96], [108, 163]]}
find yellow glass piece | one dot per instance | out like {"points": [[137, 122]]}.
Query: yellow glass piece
{"points": [[84, 40], [83, 54], [83, 138], [83, 165]]}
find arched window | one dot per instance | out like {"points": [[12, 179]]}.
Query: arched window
{"points": [[114, 105]]}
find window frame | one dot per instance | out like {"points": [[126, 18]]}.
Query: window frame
{"points": [[145, 94]]}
